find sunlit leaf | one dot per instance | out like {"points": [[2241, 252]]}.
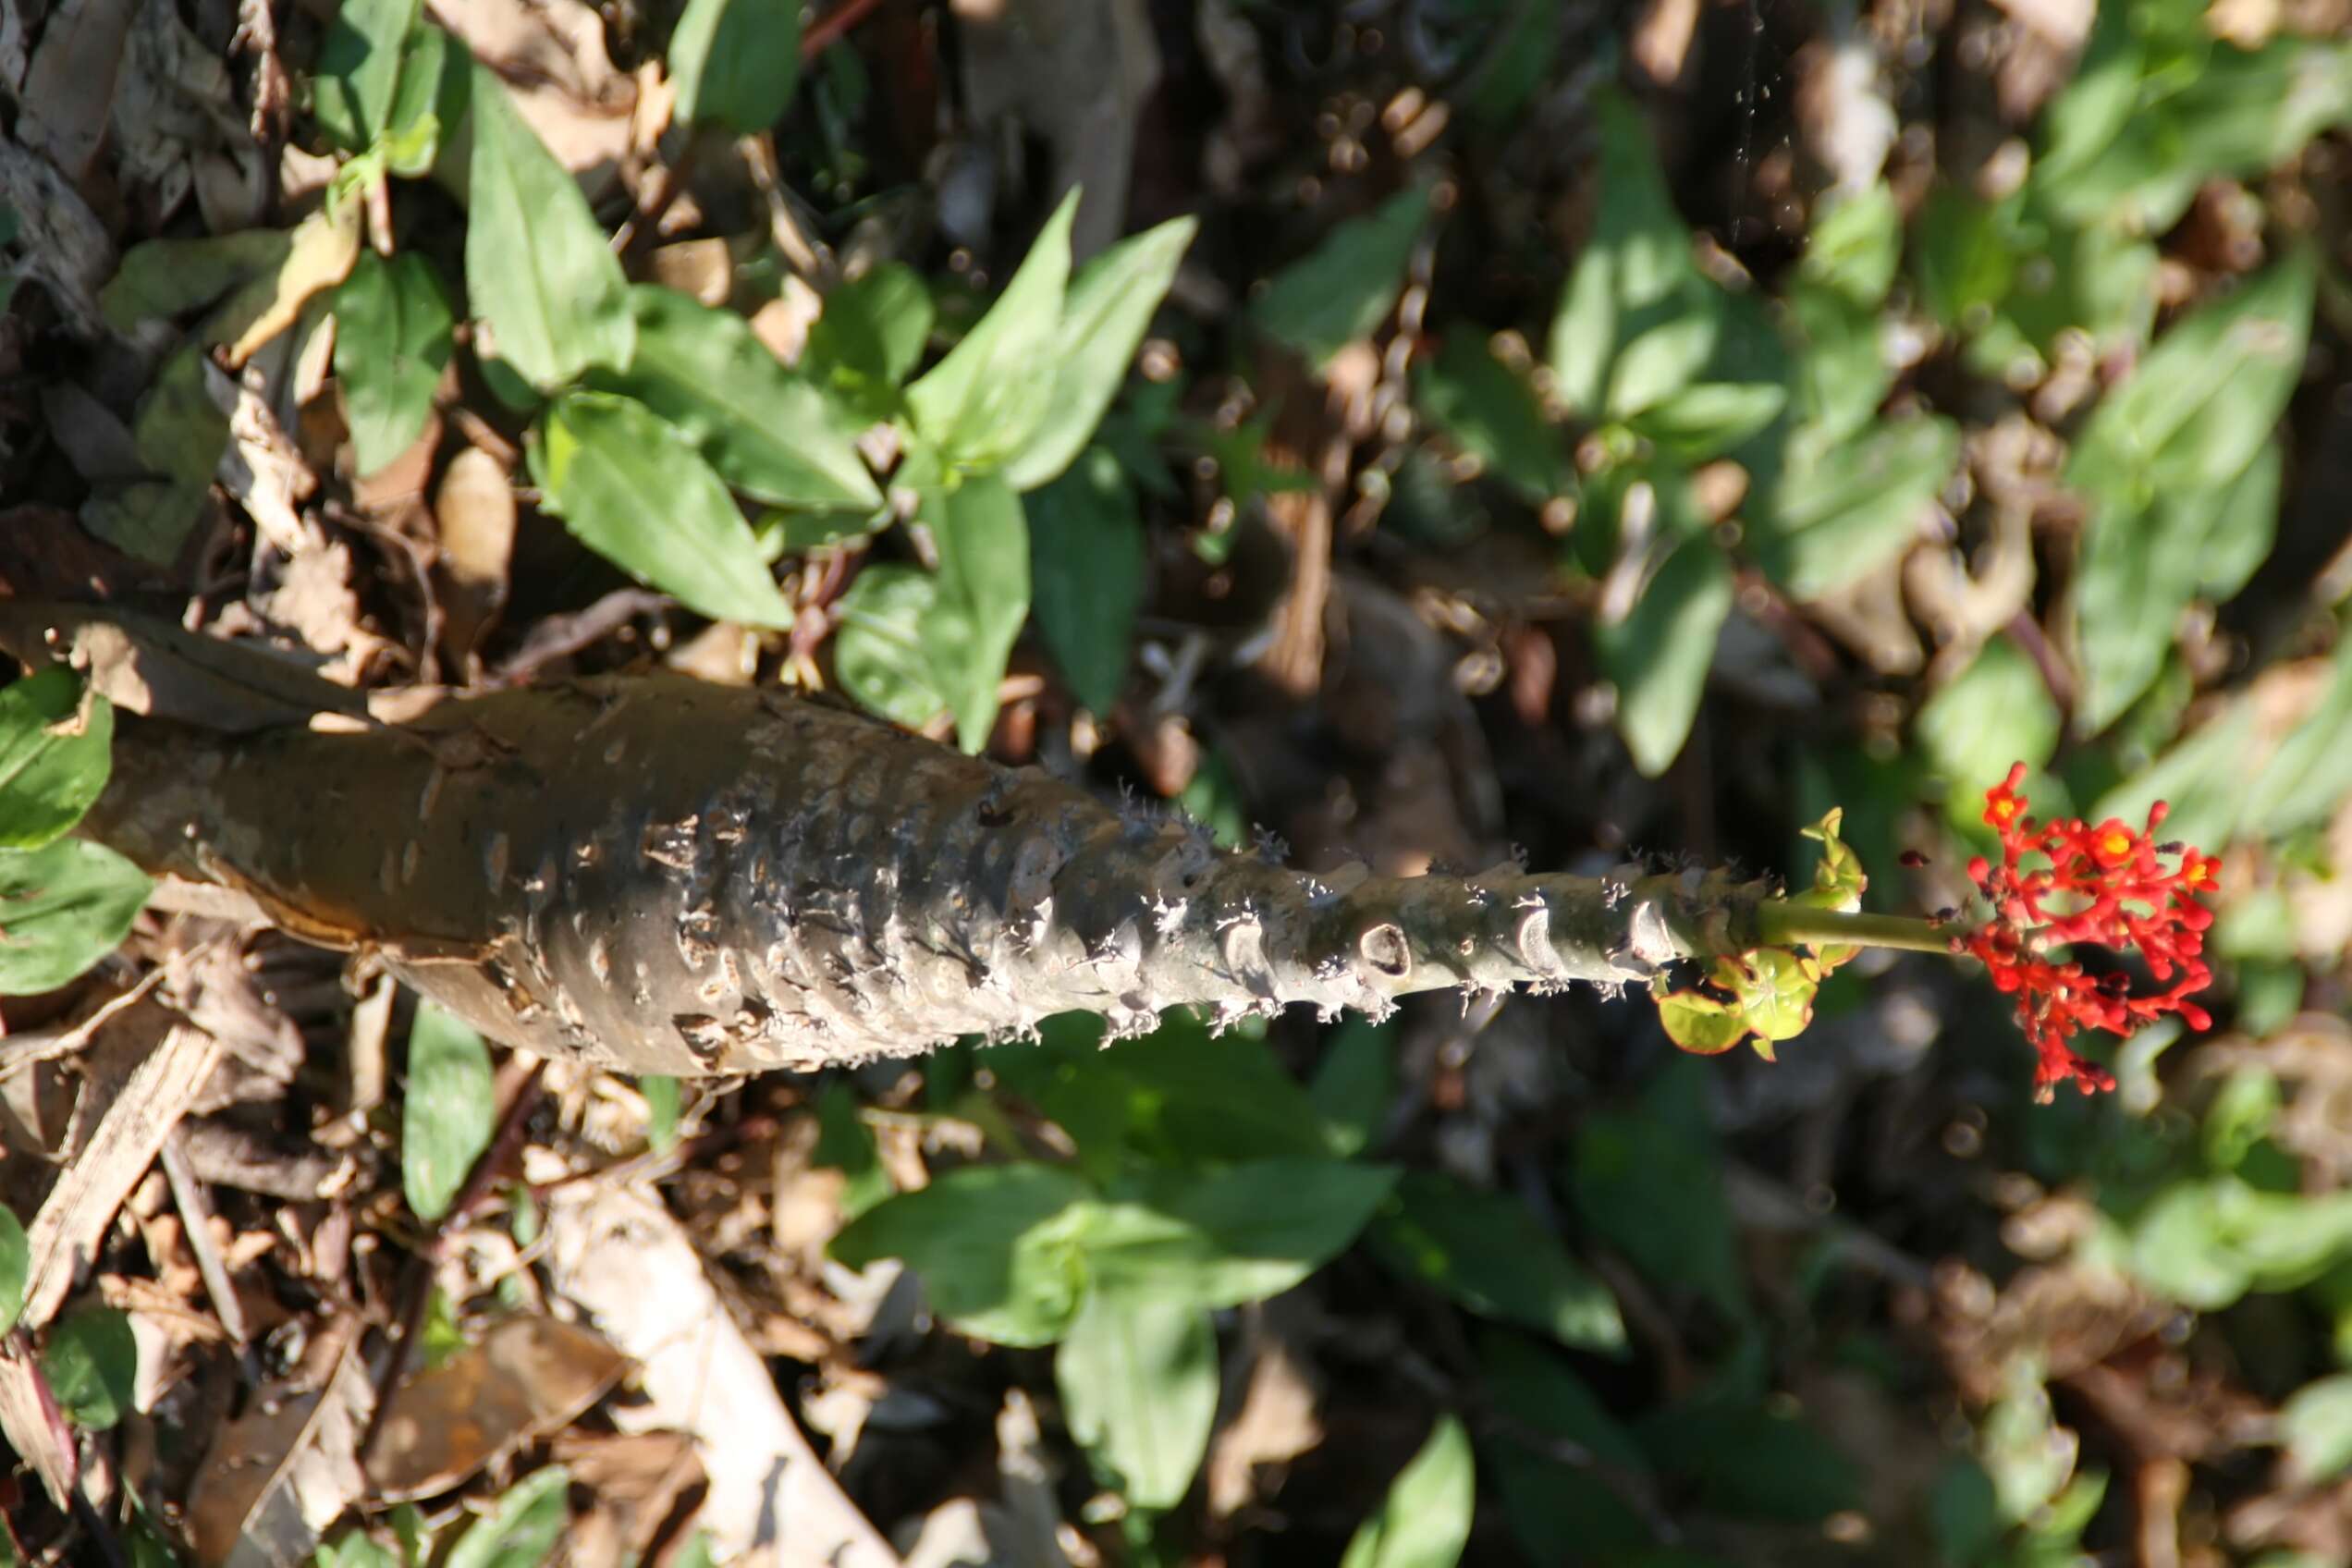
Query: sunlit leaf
{"points": [[359, 68], [983, 1239], [1342, 289], [63, 907], [538, 270], [767, 430], [631, 487], [1137, 1374], [523, 1529], [1425, 1520], [55, 756], [392, 343], [985, 402], [1658, 655], [734, 62], [446, 1116], [1109, 304]]}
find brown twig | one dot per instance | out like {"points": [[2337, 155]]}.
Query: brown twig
{"points": [[828, 29]]}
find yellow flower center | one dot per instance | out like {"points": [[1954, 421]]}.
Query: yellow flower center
{"points": [[2117, 843]]}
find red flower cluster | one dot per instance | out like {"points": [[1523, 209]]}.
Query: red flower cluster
{"points": [[2110, 888]]}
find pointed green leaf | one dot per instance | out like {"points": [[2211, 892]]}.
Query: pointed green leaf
{"points": [[1844, 507], [447, 1113], [1138, 1378], [359, 69], [1109, 304], [631, 487], [392, 341], [984, 1239], [1658, 655], [1424, 1521], [522, 1531], [1493, 413], [53, 757], [878, 652], [767, 431], [63, 907], [736, 62], [537, 267], [983, 403], [983, 540], [92, 1363], [16, 1268], [1485, 1250], [1342, 289], [1087, 565]]}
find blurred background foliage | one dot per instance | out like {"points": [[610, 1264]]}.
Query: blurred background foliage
{"points": [[1619, 433]]}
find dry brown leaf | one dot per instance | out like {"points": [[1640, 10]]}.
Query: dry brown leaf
{"points": [[280, 1475], [621, 1256], [635, 1480], [527, 1377], [474, 510], [71, 82], [551, 55], [177, 127], [64, 246], [325, 245]]}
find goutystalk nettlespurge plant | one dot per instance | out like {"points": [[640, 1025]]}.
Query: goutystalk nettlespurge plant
{"points": [[667, 876]]}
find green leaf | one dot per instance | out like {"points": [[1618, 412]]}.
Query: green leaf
{"points": [[1857, 245], [1355, 1083], [1841, 509], [1342, 289], [2311, 772], [63, 907], [630, 486], [1425, 1520], [1752, 1461], [149, 519], [985, 1242], [2206, 398], [879, 653], [1109, 304], [1650, 1182], [392, 342], [446, 1117], [1699, 1024], [869, 338], [1485, 1250], [2316, 1420], [1491, 410], [1087, 564], [162, 278], [1708, 418], [661, 1111], [1219, 1239], [981, 405], [54, 758], [16, 1268], [359, 69], [1637, 321], [1997, 710], [1534, 1386], [769, 433], [736, 62], [1138, 1378], [92, 1362], [537, 267], [1658, 655], [434, 94], [983, 597], [522, 1531], [180, 432]]}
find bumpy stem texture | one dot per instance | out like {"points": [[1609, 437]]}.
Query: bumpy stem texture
{"points": [[667, 876]]}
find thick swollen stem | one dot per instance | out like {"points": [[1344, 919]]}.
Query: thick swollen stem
{"points": [[1780, 924], [668, 876]]}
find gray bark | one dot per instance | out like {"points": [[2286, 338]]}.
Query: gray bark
{"points": [[667, 876]]}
